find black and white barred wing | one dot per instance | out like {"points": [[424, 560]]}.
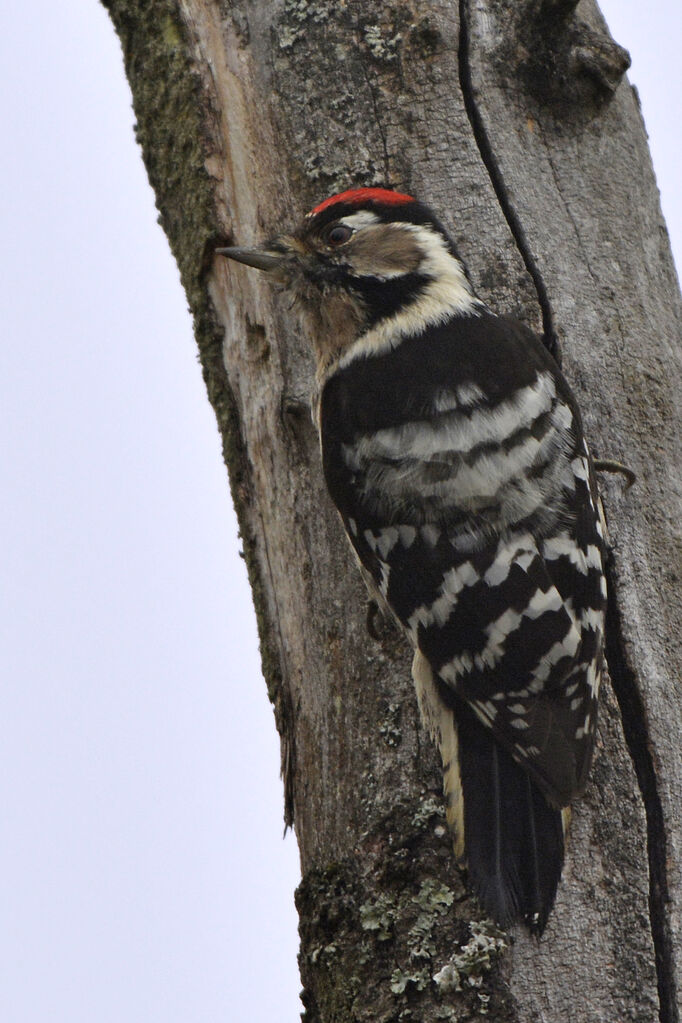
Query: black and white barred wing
{"points": [[479, 530]]}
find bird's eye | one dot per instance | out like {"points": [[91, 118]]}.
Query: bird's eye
{"points": [[338, 234]]}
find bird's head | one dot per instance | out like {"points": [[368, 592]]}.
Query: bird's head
{"points": [[365, 261]]}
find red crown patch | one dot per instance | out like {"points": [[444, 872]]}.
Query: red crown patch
{"points": [[358, 196]]}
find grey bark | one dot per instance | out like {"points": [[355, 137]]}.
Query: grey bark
{"points": [[514, 122]]}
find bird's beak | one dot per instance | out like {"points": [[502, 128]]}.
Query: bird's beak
{"points": [[262, 259]]}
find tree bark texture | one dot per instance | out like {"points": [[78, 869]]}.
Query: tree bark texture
{"points": [[512, 119]]}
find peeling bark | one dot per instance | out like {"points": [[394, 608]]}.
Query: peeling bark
{"points": [[513, 121]]}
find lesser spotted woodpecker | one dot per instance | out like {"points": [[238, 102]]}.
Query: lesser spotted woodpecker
{"points": [[453, 450]]}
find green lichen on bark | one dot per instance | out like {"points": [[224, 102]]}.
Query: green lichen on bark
{"points": [[378, 929], [172, 115]]}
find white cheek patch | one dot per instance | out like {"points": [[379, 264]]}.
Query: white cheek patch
{"points": [[446, 293]]}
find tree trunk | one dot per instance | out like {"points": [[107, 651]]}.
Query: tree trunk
{"points": [[513, 121]]}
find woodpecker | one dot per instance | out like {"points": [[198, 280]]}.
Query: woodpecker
{"points": [[453, 449]]}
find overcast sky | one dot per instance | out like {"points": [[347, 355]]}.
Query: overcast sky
{"points": [[143, 875]]}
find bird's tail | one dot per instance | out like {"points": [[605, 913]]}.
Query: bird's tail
{"points": [[513, 838], [504, 831]]}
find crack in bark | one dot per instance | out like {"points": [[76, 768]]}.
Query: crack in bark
{"points": [[622, 675], [633, 717], [497, 181]]}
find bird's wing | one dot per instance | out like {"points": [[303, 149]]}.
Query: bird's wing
{"points": [[477, 525]]}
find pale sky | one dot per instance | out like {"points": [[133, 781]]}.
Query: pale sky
{"points": [[143, 875]]}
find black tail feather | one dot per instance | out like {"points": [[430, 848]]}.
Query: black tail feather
{"points": [[513, 837]]}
